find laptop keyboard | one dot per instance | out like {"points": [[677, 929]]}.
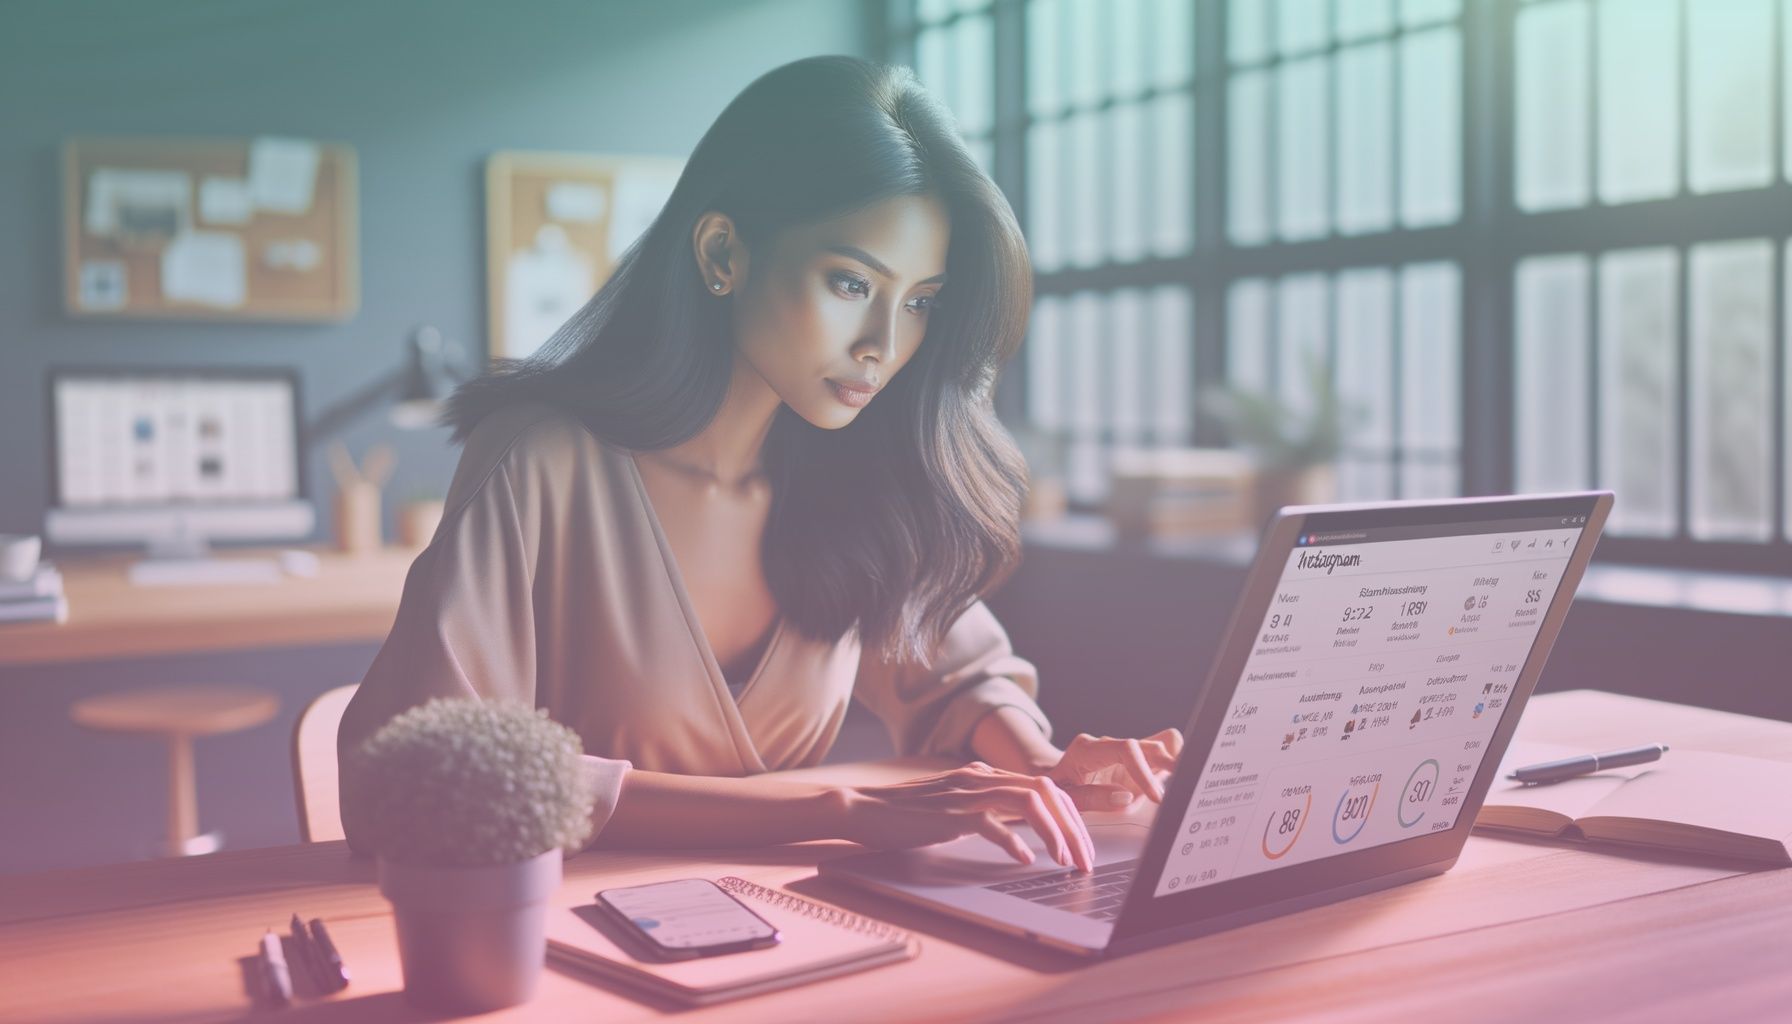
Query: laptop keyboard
{"points": [[1096, 895]]}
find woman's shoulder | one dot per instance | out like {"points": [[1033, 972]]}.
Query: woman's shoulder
{"points": [[535, 441], [537, 432]]}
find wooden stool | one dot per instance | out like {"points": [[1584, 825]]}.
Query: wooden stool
{"points": [[179, 713]]}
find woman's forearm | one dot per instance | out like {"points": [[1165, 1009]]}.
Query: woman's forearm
{"points": [[661, 809], [1008, 739]]}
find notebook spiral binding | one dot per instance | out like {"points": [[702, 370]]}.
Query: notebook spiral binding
{"points": [[809, 908]]}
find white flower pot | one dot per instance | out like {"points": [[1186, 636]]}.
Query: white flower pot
{"points": [[471, 939]]}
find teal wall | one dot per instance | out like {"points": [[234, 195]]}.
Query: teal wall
{"points": [[423, 90]]}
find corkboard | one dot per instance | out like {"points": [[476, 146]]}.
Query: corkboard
{"points": [[328, 290], [616, 196]]}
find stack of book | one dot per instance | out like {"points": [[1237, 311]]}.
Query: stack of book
{"points": [[1180, 492], [37, 598]]}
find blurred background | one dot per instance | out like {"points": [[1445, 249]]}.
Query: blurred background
{"points": [[1285, 250]]}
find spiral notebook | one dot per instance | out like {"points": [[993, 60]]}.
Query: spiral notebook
{"points": [[818, 942]]}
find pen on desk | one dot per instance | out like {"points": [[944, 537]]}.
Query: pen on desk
{"points": [[307, 951], [273, 965], [1570, 767], [327, 957]]}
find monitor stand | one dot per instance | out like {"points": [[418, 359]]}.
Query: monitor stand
{"points": [[185, 559]]}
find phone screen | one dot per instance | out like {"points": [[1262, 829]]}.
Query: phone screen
{"points": [[688, 917]]}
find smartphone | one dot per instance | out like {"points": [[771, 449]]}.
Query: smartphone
{"points": [[687, 918]]}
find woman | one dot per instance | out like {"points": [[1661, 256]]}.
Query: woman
{"points": [[757, 475]]}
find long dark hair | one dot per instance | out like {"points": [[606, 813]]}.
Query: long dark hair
{"points": [[895, 523]]}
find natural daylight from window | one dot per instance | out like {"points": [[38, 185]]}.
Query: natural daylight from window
{"points": [[1537, 245]]}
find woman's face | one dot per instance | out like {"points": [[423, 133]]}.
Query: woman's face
{"points": [[829, 313]]}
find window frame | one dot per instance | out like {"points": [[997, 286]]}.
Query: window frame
{"points": [[1492, 236]]}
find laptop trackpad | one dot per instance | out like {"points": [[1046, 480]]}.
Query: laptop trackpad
{"points": [[974, 860]]}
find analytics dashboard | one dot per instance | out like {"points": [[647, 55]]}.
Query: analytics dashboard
{"points": [[1375, 681]]}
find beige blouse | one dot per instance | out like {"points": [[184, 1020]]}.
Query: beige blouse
{"points": [[551, 581]]}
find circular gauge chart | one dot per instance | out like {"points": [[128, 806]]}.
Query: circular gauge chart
{"points": [[1354, 807], [1415, 796], [1287, 820]]}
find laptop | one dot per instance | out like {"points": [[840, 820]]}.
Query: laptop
{"points": [[1356, 711]]}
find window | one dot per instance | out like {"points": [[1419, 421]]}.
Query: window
{"points": [[1343, 145], [1648, 240], [1104, 134], [954, 54], [1542, 244]]}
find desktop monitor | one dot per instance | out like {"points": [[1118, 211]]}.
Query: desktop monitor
{"points": [[174, 458]]}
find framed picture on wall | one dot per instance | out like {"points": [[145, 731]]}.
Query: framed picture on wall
{"points": [[556, 225]]}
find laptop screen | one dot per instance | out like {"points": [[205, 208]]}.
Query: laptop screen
{"points": [[1374, 683]]}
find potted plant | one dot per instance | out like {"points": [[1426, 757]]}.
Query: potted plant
{"points": [[1294, 452], [468, 806]]}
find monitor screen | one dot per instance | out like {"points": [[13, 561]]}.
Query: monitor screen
{"points": [[171, 438], [1374, 682]]}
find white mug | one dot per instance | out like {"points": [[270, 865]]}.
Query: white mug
{"points": [[18, 555]]}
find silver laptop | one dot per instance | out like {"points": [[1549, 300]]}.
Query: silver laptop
{"points": [[1356, 711]]}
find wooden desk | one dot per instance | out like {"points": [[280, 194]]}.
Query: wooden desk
{"points": [[350, 599], [1516, 930]]}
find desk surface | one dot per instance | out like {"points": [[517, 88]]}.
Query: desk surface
{"points": [[1515, 929], [352, 598]]}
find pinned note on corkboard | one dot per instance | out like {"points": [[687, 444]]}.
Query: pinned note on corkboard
{"points": [[556, 225], [210, 229]]}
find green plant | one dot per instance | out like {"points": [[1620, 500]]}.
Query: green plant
{"points": [[464, 783], [1275, 434]]}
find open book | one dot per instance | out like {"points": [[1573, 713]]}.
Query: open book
{"points": [[1690, 800], [818, 942]]}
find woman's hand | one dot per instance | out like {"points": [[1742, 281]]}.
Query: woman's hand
{"points": [[976, 798], [1102, 773]]}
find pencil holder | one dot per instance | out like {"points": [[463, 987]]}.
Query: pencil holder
{"points": [[417, 522], [358, 517], [358, 530]]}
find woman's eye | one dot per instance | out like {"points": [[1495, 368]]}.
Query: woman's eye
{"points": [[851, 285], [923, 304]]}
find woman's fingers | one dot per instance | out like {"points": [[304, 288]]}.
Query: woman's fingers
{"points": [[1100, 798], [1169, 743], [1037, 799], [981, 796], [1158, 754], [1132, 756], [1046, 817], [1139, 762], [1013, 801], [1071, 821], [1040, 800], [978, 789], [1171, 739], [988, 825], [1034, 807], [1021, 799]]}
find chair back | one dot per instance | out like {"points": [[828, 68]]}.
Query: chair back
{"points": [[314, 765]]}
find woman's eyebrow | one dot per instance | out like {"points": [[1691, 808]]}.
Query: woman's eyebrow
{"points": [[854, 252]]}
